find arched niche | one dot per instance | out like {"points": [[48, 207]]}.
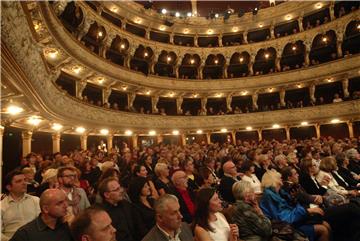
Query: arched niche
{"points": [[214, 65], [323, 48], [238, 66], [265, 61], [189, 66], [293, 56]]}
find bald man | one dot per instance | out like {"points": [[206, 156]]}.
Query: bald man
{"points": [[186, 197], [48, 225], [227, 181]]}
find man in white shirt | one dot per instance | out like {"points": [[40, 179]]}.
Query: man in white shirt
{"points": [[18, 207]]}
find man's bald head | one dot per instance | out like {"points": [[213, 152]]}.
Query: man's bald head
{"points": [[49, 196], [230, 168]]}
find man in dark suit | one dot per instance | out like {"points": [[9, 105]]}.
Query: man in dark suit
{"points": [[227, 181], [168, 222]]}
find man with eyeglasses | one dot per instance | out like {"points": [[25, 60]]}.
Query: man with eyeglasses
{"points": [[76, 197], [125, 219], [227, 181]]}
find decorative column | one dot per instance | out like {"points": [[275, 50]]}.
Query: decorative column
{"points": [[196, 44], [106, 92], [208, 138], [300, 23], [245, 37], [317, 129], [1, 146], [307, 53], [79, 88], [176, 67], [183, 139], [128, 57], [84, 28], [233, 136], [26, 142], [107, 44], [83, 141], [123, 23], [225, 67], [351, 129], [251, 63], [179, 102], [312, 92], [278, 59], [228, 102], [171, 39], [339, 41], [154, 102], [282, 97], [134, 141], [345, 86], [332, 11], [109, 139], [55, 142], [287, 130], [259, 131], [59, 7], [203, 104], [131, 97], [153, 61], [159, 138], [147, 34], [200, 70], [272, 31], [220, 40], [254, 100]]}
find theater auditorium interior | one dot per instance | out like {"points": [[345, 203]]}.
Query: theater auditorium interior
{"points": [[265, 87]]}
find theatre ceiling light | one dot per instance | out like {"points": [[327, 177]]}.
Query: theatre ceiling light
{"points": [[288, 17], [299, 85], [244, 92], [186, 31], [293, 48], [192, 61], [100, 33], [104, 131], [223, 130], [124, 87], [216, 15], [199, 132], [216, 61], [34, 120], [52, 53], [56, 126], [358, 26], [304, 123], [218, 95], [146, 54], [324, 39], [163, 11], [210, 31], [189, 14], [114, 9], [122, 46], [195, 95], [334, 121], [128, 132], [271, 90], [138, 20], [267, 55], [275, 126], [14, 110], [100, 80], [248, 128], [152, 133], [241, 59], [171, 94], [162, 28], [76, 69], [329, 80], [235, 29], [80, 129], [318, 5], [148, 92], [175, 132], [261, 25], [168, 58], [177, 14]]}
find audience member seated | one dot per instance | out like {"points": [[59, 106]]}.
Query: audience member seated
{"points": [[275, 207], [227, 181], [93, 224], [252, 223], [184, 194], [343, 174], [205, 178], [209, 223], [49, 224], [140, 171], [248, 169], [49, 180], [188, 167], [168, 222], [140, 195], [354, 162], [337, 98], [32, 185], [125, 218], [76, 197], [162, 182], [17, 207]]}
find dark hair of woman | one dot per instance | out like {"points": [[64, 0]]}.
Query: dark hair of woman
{"points": [[204, 174], [202, 201], [137, 169], [286, 173], [135, 187]]}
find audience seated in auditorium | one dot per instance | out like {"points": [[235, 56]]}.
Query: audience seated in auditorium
{"points": [[162, 182], [227, 181]]}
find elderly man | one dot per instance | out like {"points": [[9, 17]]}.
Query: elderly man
{"points": [[184, 195], [93, 224], [227, 181], [126, 220], [48, 225], [17, 208], [168, 222]]}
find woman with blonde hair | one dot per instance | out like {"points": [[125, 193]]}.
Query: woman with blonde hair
{"points": [[275, 207]]}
